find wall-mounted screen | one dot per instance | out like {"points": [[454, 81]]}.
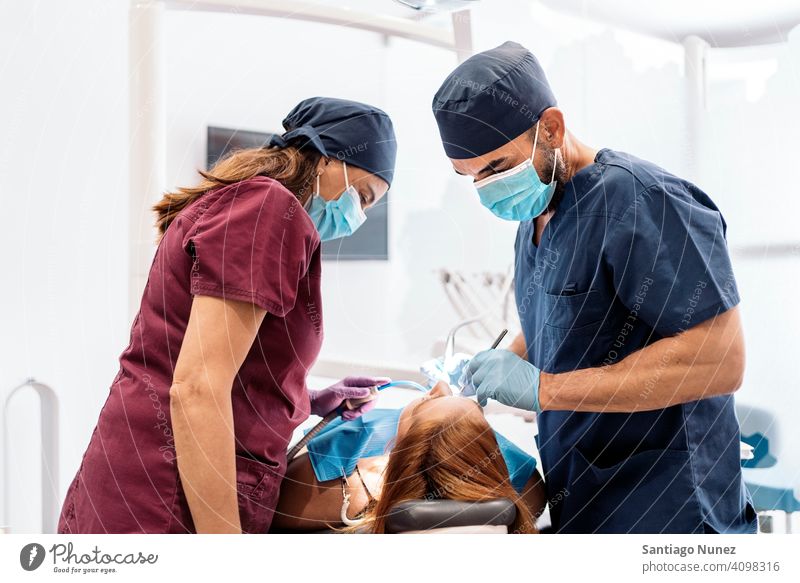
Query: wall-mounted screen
{"points": [[370, 242]]}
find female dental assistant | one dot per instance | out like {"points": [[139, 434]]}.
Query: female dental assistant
{"points": [[193, 435], [631, 345]]}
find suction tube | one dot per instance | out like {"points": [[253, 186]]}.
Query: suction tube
{"points": [[411, 384], [334, 414]]}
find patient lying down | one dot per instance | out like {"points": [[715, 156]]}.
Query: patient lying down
{"points": [[441, 447]]}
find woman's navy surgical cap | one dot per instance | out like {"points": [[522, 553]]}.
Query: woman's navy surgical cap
{"points": [[490, 99], [350, 131]]}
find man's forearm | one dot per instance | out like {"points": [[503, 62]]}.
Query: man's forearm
{"points": [[705, 361]]}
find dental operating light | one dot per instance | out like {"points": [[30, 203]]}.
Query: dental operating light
{"points": [[438, 5]]}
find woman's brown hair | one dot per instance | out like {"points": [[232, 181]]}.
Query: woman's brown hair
{"points": [[290, 166], [457, 459]]}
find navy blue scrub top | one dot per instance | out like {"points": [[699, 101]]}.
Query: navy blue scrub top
{"points": [[632, 254]]}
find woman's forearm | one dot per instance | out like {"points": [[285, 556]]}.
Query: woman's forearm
{"points": [[202, 423]]}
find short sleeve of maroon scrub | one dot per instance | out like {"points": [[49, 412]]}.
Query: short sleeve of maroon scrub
{"points": [[253, 246]]}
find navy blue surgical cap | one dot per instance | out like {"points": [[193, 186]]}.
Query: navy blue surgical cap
{"points": [[353, 132], [490, 99]]}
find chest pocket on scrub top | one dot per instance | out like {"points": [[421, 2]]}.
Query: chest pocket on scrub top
{"points": [[574, 323]]}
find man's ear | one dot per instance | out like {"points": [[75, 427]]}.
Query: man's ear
{"points": [[552, 122]]}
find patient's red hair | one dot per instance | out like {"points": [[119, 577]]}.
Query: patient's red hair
{"points": [[456, 459]]}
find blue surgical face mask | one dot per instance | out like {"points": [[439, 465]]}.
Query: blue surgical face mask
{"points": [[518, 194], [336, 218]]}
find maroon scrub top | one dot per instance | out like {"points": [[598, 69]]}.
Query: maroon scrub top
{"points": [[251, 241]]}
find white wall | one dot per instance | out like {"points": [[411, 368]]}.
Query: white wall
{"points": [[749, 152], [63, 177], [63, 243]]}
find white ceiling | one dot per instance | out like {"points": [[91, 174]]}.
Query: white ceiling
{"points": [[722, 23]]}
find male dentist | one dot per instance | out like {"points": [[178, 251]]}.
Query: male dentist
{"points": [[632, 344]]}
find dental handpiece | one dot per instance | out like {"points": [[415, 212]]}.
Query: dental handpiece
{"points": [[348, 404]]}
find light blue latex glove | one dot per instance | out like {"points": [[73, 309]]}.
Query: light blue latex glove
{"points": [[505, 377]]}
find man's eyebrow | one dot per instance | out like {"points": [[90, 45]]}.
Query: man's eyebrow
{"points": [[490, 166]]}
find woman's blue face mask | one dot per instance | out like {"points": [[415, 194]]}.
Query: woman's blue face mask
{"points": [[518, 194], [337, 218]]}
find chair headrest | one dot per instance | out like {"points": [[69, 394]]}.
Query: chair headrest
{"points": [[431, 514]]}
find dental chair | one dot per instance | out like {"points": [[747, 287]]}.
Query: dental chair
{"points": [[451, 516], [442, 517], [771, 474]]}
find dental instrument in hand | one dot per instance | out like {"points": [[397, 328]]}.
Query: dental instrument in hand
{"points": [[499, 339], [348, 404], [465, 382]]}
